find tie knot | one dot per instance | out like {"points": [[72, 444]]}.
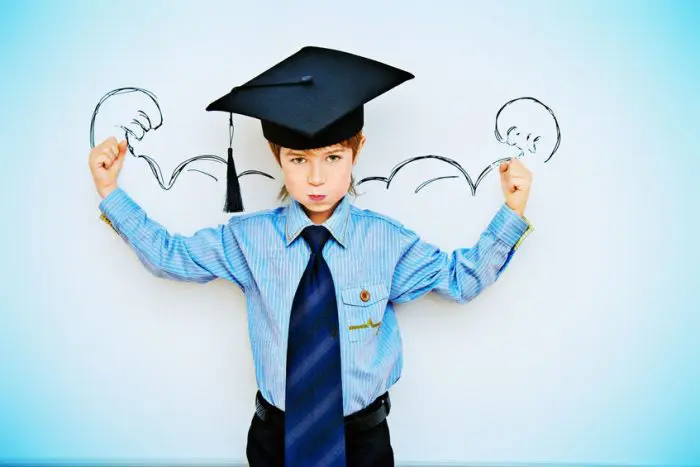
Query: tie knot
{"points": [[316, 236]]}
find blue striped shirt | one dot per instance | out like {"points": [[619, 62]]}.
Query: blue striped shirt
{"points": [[375, 262]]}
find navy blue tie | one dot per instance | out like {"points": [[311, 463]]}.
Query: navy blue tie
{"points": [[314, 428]]}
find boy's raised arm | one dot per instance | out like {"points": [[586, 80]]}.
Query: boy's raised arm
{"points": [[466, 272], [208, 254]]}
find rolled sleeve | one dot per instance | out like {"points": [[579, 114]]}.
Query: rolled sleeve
{"points": [[508, 227], [117, 208]]}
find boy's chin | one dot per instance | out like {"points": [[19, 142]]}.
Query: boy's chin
{"points": [[317, 207]]}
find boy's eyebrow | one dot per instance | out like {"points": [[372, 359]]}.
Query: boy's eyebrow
{"points": [[332, 149], [335, 149], [296, 153]]}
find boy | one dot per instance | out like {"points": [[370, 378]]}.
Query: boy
{"points": [[320, 276]]}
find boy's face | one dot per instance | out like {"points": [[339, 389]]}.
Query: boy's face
{"points": [[318, 178]]}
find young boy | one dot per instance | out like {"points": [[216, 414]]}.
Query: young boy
{"points": [[320, 275]]}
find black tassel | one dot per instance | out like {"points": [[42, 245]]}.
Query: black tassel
{"points": [[234, 203]]}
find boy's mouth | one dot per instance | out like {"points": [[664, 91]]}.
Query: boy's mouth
{"points": [[317, 197]]}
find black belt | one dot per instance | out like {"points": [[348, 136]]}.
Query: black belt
{"points": [[367, 418]]}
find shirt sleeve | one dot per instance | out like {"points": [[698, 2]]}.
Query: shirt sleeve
{"points": [[208, 254], [466, 272]]}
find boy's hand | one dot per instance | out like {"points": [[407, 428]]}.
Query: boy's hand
{"points": [[516, 180], [106, 161]]}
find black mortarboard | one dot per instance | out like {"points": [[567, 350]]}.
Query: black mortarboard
{"points": [[312, 99]]}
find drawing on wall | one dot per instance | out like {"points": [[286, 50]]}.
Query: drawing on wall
{"points": [[525, 124], [146, 116]]}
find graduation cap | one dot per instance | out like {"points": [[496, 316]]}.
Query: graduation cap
{"points": [[312, 99]]}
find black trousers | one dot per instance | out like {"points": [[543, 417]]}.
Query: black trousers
{"points": [[363, 447]]}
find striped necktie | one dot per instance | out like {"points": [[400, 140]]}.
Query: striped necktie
{"points": [[314, 428]]}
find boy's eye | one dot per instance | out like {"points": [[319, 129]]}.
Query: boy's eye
{"points": [[297, 160], [334, 157]]}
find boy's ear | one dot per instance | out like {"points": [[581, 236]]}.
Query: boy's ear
{"points": [[359, 148]]}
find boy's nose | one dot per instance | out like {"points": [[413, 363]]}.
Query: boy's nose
{"points": [[316, 176]]}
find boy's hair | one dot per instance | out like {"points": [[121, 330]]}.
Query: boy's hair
{"points": [[353, 143]]}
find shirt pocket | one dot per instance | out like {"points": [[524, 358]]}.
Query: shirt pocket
{"points": [[364, 308]]}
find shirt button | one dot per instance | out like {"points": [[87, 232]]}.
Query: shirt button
{"points": [[364, 295]]}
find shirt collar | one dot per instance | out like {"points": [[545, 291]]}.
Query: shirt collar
{"points": [[297, 220]]}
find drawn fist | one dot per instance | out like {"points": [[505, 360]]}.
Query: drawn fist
{"points": [[106, 161], [516, 180]]}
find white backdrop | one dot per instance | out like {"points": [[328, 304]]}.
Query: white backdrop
{"points": [[560, 361]]}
